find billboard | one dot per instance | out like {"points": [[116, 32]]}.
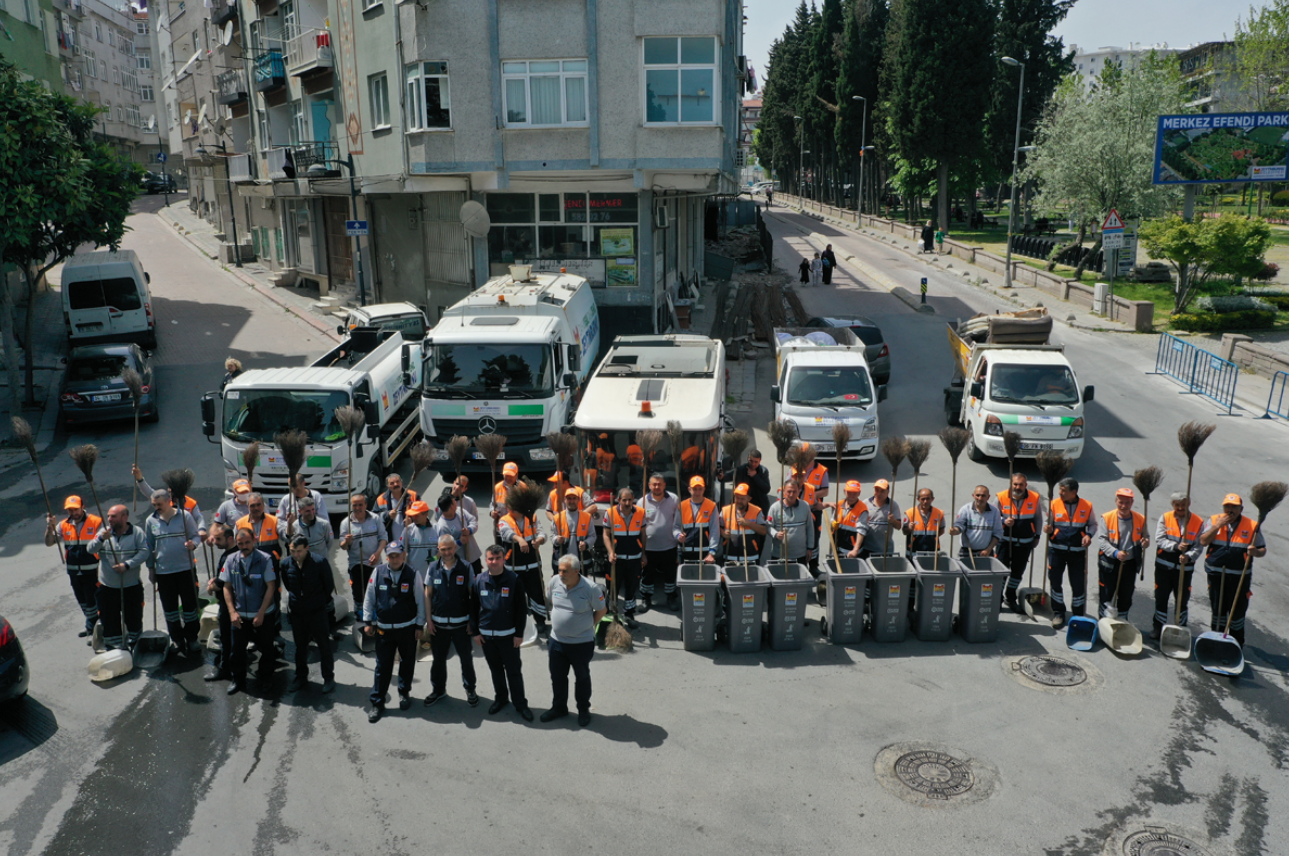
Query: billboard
{"points": [[1210, 148]]}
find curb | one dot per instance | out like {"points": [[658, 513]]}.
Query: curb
{"points": [[247, 280]]}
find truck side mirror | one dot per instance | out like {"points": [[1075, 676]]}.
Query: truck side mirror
{"points": [[574, 358], [977, 389], [881, 392], [371, 413], [776, 394], [570, 380], [1089, 392], [340, 328], [147, 277], [208, 415], [405, 358]]}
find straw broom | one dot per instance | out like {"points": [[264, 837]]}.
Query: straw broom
{"points": [[919, 451], [351, 420], [895, 450], [135, 384], [676, 437], [840, 442], [294, 445], [1191, 437], [250, 459], [458, 448], [733, 443], [422, 455], [781, 433], [565, 448], [85, 457], [649, 440], [954, 441], [1265, 496], [22, 433], [491, 446], [1054, 466], [1146, 480]]}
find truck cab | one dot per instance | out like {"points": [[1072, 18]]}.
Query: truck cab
{"points": [[823, 379]]}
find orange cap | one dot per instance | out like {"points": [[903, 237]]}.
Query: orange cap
{"points": [[511, 468], [741, 490], [805, 445], [697, 481], [883, 484], [1125, 491], [573, 491], [73, 502], [556, 477], [241, 486], [853, 486], [419, 507], [1233, 499]]}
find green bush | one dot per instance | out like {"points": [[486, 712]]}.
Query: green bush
{"points": [[1231, 303], [1279, 301], [1249, 319], [1280, 197]]}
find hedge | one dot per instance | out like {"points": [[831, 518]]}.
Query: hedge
{"points": [[1250, 319], [1279, 301]]}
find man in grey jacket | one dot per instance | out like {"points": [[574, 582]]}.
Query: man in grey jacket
{"points": [[171, 536], [122, 550], [792, 528]]}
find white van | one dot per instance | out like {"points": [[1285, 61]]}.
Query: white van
{"points": [[106, 299]]}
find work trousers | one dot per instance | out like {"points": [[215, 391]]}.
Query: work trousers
{"points": [[243, 633], [109, 611], [507, 669], [358, 577], [1166, 586], [85, 588], [660, 568], [179, 603], [444, 639], [577, 656], [1076, 562], [531, 580], [313, 627], [1235, 594], [627, 572], [1015, 556], [401, 641], [222, 659], [1108, 575]]}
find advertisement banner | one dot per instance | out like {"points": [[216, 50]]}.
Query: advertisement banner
{"points": [[1212, 148]]}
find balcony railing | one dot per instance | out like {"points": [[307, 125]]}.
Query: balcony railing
{"points": [[222, 11], [289, 162], [232, 86], [270, 70], [239, 169], [309, 51]]}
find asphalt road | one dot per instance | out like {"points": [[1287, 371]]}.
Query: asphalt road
{"points": [[712, 752]]}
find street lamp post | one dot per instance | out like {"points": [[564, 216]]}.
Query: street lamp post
{"points": [[348, 163], [1011, 212], [801, 153], [863, 139], [232, 211]]}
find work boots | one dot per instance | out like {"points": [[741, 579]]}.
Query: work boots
{"points": [[646, 604]]}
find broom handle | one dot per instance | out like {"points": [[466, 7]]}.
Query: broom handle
{"points": [[1114, 595], [134, 501], [1181, 581], [953, 501], [1248, 560], [1145, 515]]}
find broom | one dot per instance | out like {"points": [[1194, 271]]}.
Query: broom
{"points": [[1265, 496], [422, 455], [523, 499], [351, 420], [781, 433], [840, 442], [733, 443], [1054, 466], [250, 459], [22, 433], [954, 441], [135, 384], [294, 445], [85, 458], [676, 437], [491, 446], [895, 450], [1146, 480], [1191, 437], [458, 449], [1011, 448], [179, 482], [649, 440]]}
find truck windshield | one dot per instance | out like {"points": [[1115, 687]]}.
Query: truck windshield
{"points": [[612, 460], [478, 371], [258, 414], [1036, 385], [829, 387]]}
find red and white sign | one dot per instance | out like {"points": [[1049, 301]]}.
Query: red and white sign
{"points": [[1113, 222]]}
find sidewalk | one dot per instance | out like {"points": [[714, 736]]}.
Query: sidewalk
{"points": [[201, 235]]}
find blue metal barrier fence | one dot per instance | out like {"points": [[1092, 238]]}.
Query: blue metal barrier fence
{"points": [[1281, 407], [1201, 372]]}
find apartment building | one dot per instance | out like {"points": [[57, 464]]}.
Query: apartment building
{"points": [[1088, 63], [30, 38]]}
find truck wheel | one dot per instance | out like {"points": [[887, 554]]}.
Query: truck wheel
{"points": [[974, 454], [951, 414], [375, 483]]}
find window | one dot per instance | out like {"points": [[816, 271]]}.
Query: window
{"points": [[530, 226], [544, 93], [378, 95], [145, 61], [145, 93], [98, 31], [111, 37], [680, 80], [141, 27], [102, 69], [427, 96], [299, 125]]}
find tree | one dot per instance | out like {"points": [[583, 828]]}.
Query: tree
{"points": [[938, 70], [1095, 149], [1262, 55], [862, 42], [785, 80], [820, 108], [64, 189], [1228, 245]]}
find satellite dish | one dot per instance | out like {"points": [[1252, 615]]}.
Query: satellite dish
{"points": [[218, 128], [474, 217], [201, 117], [187, 116], [226, 37], [152, 122]]}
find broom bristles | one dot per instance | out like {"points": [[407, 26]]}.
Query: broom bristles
{"points": [[422, 455], [350, 419], [457, 448], [85, 457], [617, 638], [919, 451], [895, 450], [1266, 495], [675, 434], [801, 459], [251, 457], [840, 437], [1011, 445], [1191, 437], [22, 433], [179, 483], [954, 441], [781, 433], [1054, 466], [524, 498], [490, 446], [565, 448], [135, 383], [294, 444], [734, 443], [1146, 480], [648, 440]]}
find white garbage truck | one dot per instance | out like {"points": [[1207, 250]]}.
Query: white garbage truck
{"points": [[366, 371], [510, 359]]}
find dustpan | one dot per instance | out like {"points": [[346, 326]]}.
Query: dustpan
{"points": [[530, 635], [110, 665], [1219, 653], [151, 647], [1081, 633], [1175, 642], [96, 639], [209, 622], [1120, 636], [362, 641]]}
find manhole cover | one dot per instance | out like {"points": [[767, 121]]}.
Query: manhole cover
{"points": [[1160, 842], [1053, 671], [938, 775]]}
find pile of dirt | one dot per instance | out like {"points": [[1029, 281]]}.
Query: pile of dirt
{"points": [[740, 243]]}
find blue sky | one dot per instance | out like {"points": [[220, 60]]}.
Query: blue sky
{"points": [[1090, 24]]}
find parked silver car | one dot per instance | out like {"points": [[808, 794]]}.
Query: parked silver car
{"points": [[93, 389]]}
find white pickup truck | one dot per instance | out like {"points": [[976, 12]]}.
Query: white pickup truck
{"points": [[823, 378]]}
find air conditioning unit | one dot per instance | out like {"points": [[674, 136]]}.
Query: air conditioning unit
{"points": [[660, 218]]}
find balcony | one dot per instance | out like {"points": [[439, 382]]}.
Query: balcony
{"points": [[222, 11], [231, 86], [239, 169], [290, 162], [270, 70], [309, 52]]}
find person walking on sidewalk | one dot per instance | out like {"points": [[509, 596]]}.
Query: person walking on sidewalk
{"points": [[939, 241], [928, 234], [804, 269], [769, 197], [816, 270], [830, 262]]}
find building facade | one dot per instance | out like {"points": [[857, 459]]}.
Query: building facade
{"points": [[1088, 63], [30, 38]]}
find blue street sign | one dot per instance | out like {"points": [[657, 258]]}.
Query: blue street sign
{"points": [[355, 228], [161, 157]]}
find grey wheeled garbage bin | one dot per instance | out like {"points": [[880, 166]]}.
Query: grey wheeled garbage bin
{"points": [[937, 580], [790, 587], [893, 578], [746, 587], [699, 588], [847, 581], [981, 597]]}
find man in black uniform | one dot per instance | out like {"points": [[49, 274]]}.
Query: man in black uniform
{"points": [[309, 581], [498, 609], [447, 591], [394, 612], [757, 479], [221, 670]]}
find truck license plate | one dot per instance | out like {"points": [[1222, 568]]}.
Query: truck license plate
{"points": [[1035, 447], [478, 456]]}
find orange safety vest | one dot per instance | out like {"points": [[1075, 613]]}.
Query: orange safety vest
{"points": [[76, 539], [553, 497], [1023, 530], [705, 509], [624, 529], [382, 501], [499, 493], [268, 526], [815, 478], [1228, 553], [1069, 528], [604, 459], [526, 532], [1111, 521], [807, 493], [582, 528], [1194, 528], [930, 526], [733, 522], [850, 514]]}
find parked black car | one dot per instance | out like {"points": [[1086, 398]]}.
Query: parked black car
{"points": [[94, 391], [876, 351], [157, 182], [14, 671]]}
